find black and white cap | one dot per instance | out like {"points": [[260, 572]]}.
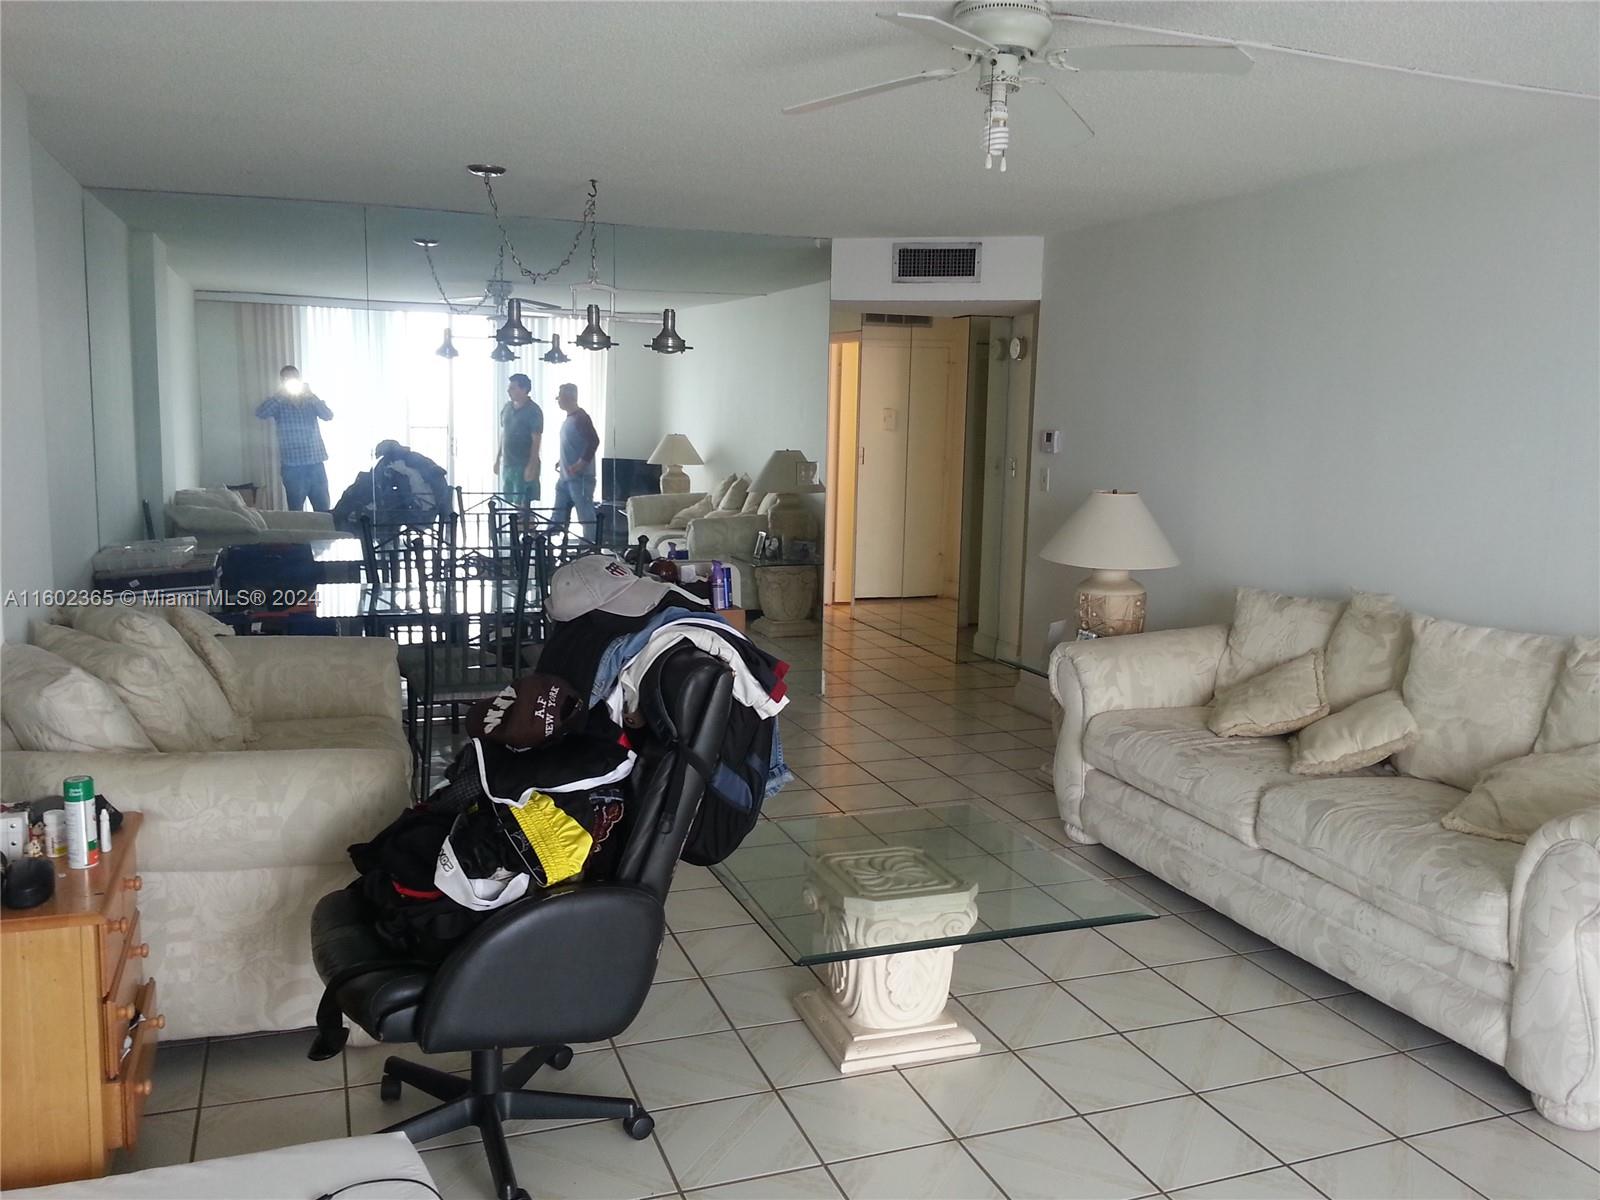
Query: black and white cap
{"points": [[597, 581]]}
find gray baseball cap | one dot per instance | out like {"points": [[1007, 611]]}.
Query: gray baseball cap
{"points": [[598, 581]]}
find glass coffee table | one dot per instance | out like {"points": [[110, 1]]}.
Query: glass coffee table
{"points": [[884, 899]]}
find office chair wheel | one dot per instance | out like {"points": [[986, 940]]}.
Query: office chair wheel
{"points": [[521, 1194], [639, 1126], [560, 1058], [389, 1089]]}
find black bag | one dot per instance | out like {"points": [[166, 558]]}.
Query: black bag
{"points": [[397, 867], [273, 567]]}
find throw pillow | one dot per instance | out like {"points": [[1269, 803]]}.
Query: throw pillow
{"points": [[1479, 696], [198, 631], [1288, 697], [752, 501], [212, 518], [142, 630], [1367, 649], [1268, 629], [700, 508], [733, 499], [1363, 734], [1514, 798], [721, 490], [139, 679], [8, 740], [1573, 718], [769, 502], [49, 704]]}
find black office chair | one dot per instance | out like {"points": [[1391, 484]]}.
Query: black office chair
{"points": [[571, 964]]}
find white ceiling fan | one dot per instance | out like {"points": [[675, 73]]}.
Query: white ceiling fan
{"points": [[1002, 37]]}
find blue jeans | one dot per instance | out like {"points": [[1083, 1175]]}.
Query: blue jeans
{"points": [[574, 492], [308, 481], [514, 489]]}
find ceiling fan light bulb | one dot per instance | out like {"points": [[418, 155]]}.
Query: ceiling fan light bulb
{"points": [[447, 348]]}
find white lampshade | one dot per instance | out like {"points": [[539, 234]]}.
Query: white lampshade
{"points": [[1111, 531], [675, 450], [787, 471]]}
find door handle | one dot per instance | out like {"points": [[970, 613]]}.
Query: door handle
{"points": [[861, 456], [1011, 466]]}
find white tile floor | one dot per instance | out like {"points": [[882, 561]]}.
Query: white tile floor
{"points": [[1183, 1056]]}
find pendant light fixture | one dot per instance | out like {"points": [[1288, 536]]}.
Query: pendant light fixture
{"points": [[514, 332], [502, 353], [668, 341], [555, 354], [447, 348], [593, 337]]}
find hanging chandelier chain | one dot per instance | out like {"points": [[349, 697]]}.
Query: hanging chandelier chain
{"points": [[506, 244], [482, 301]]}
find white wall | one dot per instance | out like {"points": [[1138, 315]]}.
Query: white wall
{"points": [[180, 394], [1009, 270], [116, 468], [635, 378], [165, 385], [757, 381], [1387, 379], [26, 561], [216, 329]]}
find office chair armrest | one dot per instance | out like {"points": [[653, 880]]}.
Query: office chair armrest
{"points": [[571, 965]]}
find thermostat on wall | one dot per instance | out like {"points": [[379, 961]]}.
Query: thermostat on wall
{"points": [[1050, 441]]}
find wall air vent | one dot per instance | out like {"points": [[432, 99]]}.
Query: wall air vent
{"points": [[935, 262], [896, 319]]}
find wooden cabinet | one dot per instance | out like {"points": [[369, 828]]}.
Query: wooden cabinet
{"points": [[78, 1022]]}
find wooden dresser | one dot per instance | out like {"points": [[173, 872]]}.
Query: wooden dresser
{"points": [[78, 1022]]}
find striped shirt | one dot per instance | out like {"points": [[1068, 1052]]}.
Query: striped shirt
{"points": [[299, 439]]}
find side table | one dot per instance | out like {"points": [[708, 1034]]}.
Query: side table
{"points": [[788, 594]]}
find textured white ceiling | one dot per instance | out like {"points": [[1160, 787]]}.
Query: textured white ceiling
{"points": [[675, 106]]}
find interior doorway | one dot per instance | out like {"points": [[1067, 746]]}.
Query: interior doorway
{"points": [[930, 416]]}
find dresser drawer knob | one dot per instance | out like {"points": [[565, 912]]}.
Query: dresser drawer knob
{"points": [[159, 1021], [134, 883], [142, 1088], [142, 950], [124, 1012], [120, 925]]}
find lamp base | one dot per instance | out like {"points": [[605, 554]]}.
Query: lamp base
{"points": [[791, 519], [1111, 603], [674, 481]]}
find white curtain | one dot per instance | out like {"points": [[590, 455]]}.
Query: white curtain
{"points": [[268, 341], [587, 369]]}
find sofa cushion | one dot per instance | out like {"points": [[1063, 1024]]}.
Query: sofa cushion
{"points": [[50, 704], [1380, 839], [1269, 629], [1479, 696], [1573, 716], [1363, 735], [700, 508], [1367, 649], [199, 632], [215, 518], [332, 733], [1513, 799], [1288, 697], [733, 499], [1170, 753]]}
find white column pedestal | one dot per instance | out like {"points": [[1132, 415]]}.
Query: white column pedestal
{"points": [[888, 1009]]}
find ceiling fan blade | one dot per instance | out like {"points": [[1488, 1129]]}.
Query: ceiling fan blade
{"points": [[939, 30], [1084, 131], [873, 90], [1212, 60]]}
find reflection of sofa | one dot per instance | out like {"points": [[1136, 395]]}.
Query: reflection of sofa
{"points": [[238, 844], [1490, 942], [217, 517], [730, 539]]}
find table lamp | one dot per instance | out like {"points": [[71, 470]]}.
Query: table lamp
{"points": [[789, 473], [674, 452], [1112, 533]]}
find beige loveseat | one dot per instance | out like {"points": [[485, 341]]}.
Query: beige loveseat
{"points": [[217, 517], [729, 538], [238, 845], [1491, 942]]}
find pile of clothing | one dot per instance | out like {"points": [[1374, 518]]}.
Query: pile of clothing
{"points": [[403, 488], [539, 795]]}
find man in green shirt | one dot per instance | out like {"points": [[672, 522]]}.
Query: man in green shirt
{"points": [[521, 434]]}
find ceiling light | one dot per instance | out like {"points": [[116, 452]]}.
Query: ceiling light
{"points": [[447, 348], [555, 354], [668, 341], [593, 337], [502, 353], [514, 332]]}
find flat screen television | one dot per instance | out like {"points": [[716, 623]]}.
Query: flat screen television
{"points": [[624, 477]]}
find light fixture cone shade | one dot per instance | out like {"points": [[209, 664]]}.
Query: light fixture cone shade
{"points": [[668, 341], [675, 450], [593, 337], [502, 353], [555, 354], [1111, 531], [514, 332], [787, 471], [447, 348]]}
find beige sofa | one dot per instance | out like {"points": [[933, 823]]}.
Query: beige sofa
{"points": [[238, 845], [1493, 943], [217, 517], [730, 539]]}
